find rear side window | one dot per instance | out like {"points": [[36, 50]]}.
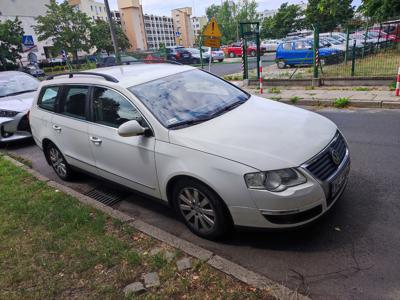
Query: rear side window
{"points": [[48, 98], [287, 46], [74, 101]]}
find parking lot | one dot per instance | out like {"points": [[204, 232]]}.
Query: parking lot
{"points": [[351, 253]]}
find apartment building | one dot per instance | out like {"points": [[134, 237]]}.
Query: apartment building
{"points": [[132, 21], [94, 9], [27, 11], [197, 25], [116, 16], [159, 29], [183, 26]]}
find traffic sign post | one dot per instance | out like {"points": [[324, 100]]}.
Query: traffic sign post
{"points": [[211, 37]]}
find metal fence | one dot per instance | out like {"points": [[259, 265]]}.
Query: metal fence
{"points": [[363, 52]]}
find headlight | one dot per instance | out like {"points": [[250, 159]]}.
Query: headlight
{"points": [[7, 113], [274, 181]]}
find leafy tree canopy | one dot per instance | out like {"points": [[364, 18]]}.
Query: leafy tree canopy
{"points": [[11, 33], [287, 19], [230, 14], [69, 29], [100, 37], [381, 10], [328, 14]]}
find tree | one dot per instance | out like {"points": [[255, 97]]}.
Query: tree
{"points": [[287, 19], [328, 14], [230, 14], [11, 33], [100, 37], [380, 10], [68, 29]]}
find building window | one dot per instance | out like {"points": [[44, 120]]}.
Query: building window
{"points": [[91, 7]]}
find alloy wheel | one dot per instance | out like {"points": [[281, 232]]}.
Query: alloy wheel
{"points": [[197, 209], [58, 162]]}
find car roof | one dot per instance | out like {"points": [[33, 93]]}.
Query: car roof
{"points": [[128, 75]]}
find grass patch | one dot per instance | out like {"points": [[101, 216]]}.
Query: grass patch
{"points": [[392, 86], [235, 77], [53, 247], [295, 99], [383, 63], [341, 102], [361, 89], [307, 88], [274, 90], [276, 98]]}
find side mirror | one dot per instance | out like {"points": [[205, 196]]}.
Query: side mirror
{"points": [[131, 128]]}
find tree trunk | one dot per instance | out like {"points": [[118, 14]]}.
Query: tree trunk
{"points": [[76, 56]]}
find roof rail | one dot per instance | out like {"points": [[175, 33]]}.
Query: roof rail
{"points": [[71, 75]]}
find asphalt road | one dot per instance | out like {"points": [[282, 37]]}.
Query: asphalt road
{"points": [[351, 253], [230, 68]]}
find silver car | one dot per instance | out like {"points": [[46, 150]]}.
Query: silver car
{"points": [[17, 90]]}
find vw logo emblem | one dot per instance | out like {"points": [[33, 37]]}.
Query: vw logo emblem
{"points": [[335, 156]]}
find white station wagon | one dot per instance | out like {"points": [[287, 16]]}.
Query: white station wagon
{"points": [[218, 155]]}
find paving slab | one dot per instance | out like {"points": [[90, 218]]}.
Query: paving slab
{"points": [[135, 287], [151, 280], [183, 264]]}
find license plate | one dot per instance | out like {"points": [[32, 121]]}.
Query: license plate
{"points": [[340, 180], [185, 55]]}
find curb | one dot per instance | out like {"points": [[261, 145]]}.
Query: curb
{"points": [[330, 103], [224, 265]]}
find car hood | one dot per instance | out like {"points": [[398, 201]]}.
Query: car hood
{"points": [[260, 133], [19, 103]]}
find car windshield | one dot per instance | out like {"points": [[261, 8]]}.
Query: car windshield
{"points": [[17, 84], [188, 98]]}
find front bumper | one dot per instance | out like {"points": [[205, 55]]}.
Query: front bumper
{"points": [[14, 129], [298, 205]]}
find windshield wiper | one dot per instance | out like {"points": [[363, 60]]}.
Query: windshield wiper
{"points": [[190, 122], [227, 108], [18, 93]]}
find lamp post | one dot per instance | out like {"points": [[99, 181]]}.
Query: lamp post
{"points": [[112, 30]]}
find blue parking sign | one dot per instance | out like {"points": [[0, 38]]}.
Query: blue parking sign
{"points": [[27, 40]]}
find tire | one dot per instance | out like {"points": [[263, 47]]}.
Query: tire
{"points": [[252, 53], [281, 64], [220, 60], [58, 162], [195, 61], [201, 209], [232, 55]]}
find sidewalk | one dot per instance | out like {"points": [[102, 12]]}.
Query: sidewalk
{"points": [[374, 98]]}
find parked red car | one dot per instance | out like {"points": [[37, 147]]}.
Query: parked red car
{"points": [[385, 36], [235, 50]]}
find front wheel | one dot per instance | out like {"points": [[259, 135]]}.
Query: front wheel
{"points": [[252, 53], [201, 209], [58, 162], [220, 60], [232, 55]]}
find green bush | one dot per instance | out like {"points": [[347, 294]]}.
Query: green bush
{"points": [[341, 102], [392, 86], [295, 99], [274, 90]]}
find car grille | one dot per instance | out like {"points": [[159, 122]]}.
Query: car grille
{"points": [[322, 167]]}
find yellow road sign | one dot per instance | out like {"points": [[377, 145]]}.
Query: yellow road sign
{"points": [[212, 42], [212, 29]]}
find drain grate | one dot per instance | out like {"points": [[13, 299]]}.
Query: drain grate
{"points": [[106, 195]]}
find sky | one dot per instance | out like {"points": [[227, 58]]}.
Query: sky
{"points": [[164, 7]]}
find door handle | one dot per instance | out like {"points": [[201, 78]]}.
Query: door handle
{"points": [[96, 140], [57, 128]]}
